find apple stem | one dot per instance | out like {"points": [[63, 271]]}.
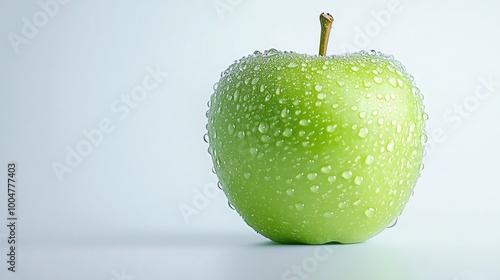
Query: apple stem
{"points": [[326, 21]]}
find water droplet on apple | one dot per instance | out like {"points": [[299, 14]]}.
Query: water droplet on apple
{"points": [[369, 159], [367, 84], [399, 128], [312, 176], [213, 170], [314, 189], [362, 115], [287, 132], [284, 112], [393, 223], [421, 166], [355, 68], [400, 83], [231, 206], [424, 139], [253, 151], [321, 96], [255, 80], [271, 52], [328, 214], [292, 65], [377, 80], [331, 128], [425, 116], [219, 185], [374, 113], [318, 87], [347, 174], [340, 83], [246, 175], [230, 128], [335, 106], [342, 204], [380, 121], [256, 68], [216, 86], [263, 128], [265, 138], [205, 137], [363, 132], [299, 206], [332, 179], [370, 212], [390, 146], [393, 82], [305, 122], [326, 169], [358, 180], [290, 191], [357, 202], [391, 68]]}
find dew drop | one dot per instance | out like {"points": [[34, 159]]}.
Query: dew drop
{"points": [[246, 175], [380, 121], [318, 87], [390, 146], [314, 189], [363, 132], [374, 113], [253, 151], [335, 106], [231, 206], [284, 112], [377, 80], [393, 82], [312, 176], [321, 96], [265, 138], [304, 122], [355, 68], [290, 191], [421, 166], [292, 65], [367, 84], [205, 137], [347, 174], [362, 115], [262, 88], [393, 223], [299, 206], [340, 83], [216, 86], [425, 116], [342, 204], [358, 180], [332, 179], [263, 128], [370, 212], [328, 214], [287, 132], [369, 159], [326, 169], [219, 185], [357, 202], [230, 128], [399, 128], [331, 128]]}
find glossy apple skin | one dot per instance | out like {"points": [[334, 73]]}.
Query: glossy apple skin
{"points": [[314, 149]]}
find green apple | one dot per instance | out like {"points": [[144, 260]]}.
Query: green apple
{"points": [[316, 149]]}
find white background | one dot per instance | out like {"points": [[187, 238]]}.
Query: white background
{"points": [[116, 214]]}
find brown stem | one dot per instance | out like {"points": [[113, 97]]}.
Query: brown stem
{"points": [[326, 21]]}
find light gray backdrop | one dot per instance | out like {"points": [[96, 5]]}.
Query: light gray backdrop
{"points": [[102, 107]]}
